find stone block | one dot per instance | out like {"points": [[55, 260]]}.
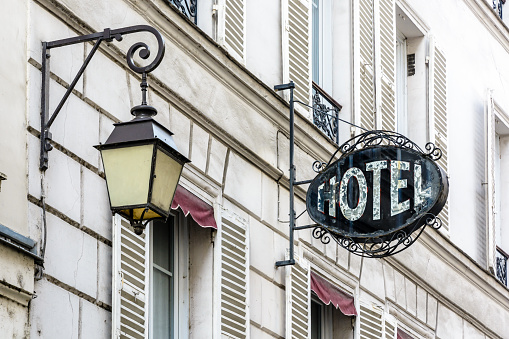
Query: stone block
{"points": [[389, 281], [243, 183], [54, 313], [199, 147], [77, 125], [63, 184], [269, 200], [181, 126], [411, 297], [96, 204], [95, 321], [371, 278], [34, 174], [272, 316], [13, 319], [431, 318], [342, 257], [217, 159], [449, 324], [355, 264], [17, 269], [421, 304], [470, 332], [71, 256], [34, 95], [35, 223], [104, 274], [110, 92], [399, 286], [65, 61], [162, 106], [262, 249], [105, 129], [255, 297], [256, 332]]}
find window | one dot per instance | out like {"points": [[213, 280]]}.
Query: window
{"points": [[497, 188], [327, 322], [321, 54], [165, 278]]}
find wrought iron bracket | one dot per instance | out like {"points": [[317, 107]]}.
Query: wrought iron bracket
{"points": [[107, 35]]}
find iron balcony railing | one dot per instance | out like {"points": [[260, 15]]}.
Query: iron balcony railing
{"points": [[501, 265], [326, 113], [497, 6], [187, 7]]}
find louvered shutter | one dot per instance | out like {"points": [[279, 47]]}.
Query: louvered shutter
{"points": [[233, 267], [297, 47], [298, 299], [370, 321], [386, 64], [390, 327], [365, 116], [130, 281], [438, 113], [232, 27], [490, 179]]}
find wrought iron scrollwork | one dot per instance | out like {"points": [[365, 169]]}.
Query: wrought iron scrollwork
{"points": [[378, 247], [319, 166], [501, 266], [384, 138], [497, 6], [325, 117], [186, 7]]}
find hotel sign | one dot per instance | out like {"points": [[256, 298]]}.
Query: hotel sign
{"points": [[372, 193]]}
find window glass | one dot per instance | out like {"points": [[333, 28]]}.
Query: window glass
{"points": [[316, 320], [163, 279]]}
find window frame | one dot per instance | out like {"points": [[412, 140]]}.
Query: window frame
{"points": [[180, 271]]}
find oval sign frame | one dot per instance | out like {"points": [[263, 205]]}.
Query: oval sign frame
{"points": [[342, 181]]}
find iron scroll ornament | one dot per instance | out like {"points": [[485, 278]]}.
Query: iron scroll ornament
{"points": [[388, 233], [107, 35]]}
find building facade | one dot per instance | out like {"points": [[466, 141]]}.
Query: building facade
{"points": [[434, 71]]}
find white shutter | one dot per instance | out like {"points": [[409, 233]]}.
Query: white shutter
{"points": [[438, 113], [386, 64], [365, 116], [390, 327], [232, 27], [370, 321], [232, 265], [130, 281], [297, 47], [298, 299], [490, 179]]}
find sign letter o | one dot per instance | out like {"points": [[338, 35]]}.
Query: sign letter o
{"points": [[353, 214]]}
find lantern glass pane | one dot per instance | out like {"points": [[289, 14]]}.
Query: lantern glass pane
{"points": [[128, 174], [166, 177]]}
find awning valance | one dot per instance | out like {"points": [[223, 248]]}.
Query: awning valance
{"points": [[328, 293], [200, 211], [403, 335]]}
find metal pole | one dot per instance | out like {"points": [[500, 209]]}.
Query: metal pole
{"points": [[291, 260]]}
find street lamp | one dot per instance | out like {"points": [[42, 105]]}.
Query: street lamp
{"points": [[141, 162]]}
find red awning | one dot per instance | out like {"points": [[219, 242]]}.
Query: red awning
{"points": [[328, 293], [403, 335], [200, 211]]}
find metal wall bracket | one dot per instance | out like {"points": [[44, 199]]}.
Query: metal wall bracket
{"points": [[107, 35]]}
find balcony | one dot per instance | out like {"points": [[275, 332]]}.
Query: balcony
{"points": [[497, 6], [326, 113], [186, 7], [501, 265]]}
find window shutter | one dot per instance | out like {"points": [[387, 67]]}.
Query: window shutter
{"points": [[438, 113], [297, 47], [233, 267], [490, 179], [130, 281], [232, 27], [366, 115], [387, 66], [298, 299], [390, 327], [370, 321]]}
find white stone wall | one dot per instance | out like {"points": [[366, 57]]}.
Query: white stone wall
{"points": [[235, 130]]}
